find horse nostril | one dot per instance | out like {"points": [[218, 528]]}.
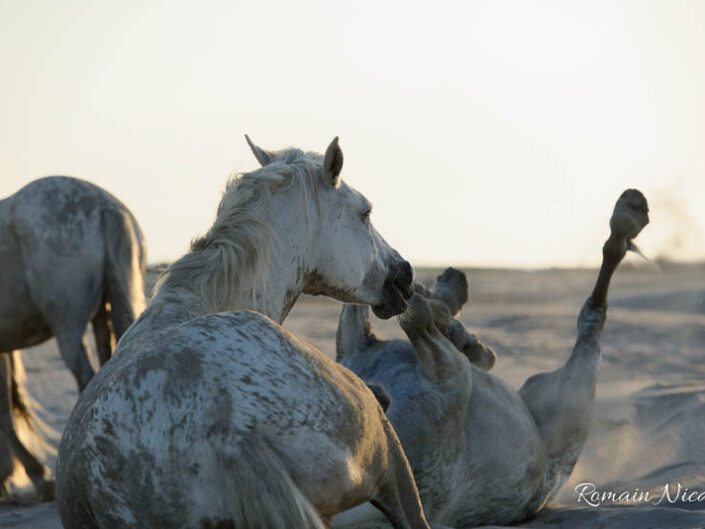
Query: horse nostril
{"points": [[406, 273], [403, 278]]}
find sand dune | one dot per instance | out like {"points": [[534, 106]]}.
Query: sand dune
{"points": [[649, 427]]}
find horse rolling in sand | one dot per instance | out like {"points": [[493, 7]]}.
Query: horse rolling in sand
{"points": [[70, 253], [210, 418], [481, 452]]}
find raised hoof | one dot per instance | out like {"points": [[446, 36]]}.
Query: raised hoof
{"points": [[452, 289], [479, 354], [631, 214]]}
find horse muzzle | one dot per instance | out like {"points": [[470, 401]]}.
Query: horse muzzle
{"points": [[396, 290]]}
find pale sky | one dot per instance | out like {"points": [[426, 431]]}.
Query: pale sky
{"points": [[485, 133]]}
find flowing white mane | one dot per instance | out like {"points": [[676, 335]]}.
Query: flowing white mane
{"points": [[232, 256]]}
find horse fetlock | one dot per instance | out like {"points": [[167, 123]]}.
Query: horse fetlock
{"points": [[615, 248]]}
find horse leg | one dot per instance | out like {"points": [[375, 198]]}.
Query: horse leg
{"points": [[103, 333], [561, 402], [73, 351], [438, 358], [6, 460], [66, 294], [452, 289], [396, 501], [6, 464], [354, 334], [398, 497], [36, 471]]}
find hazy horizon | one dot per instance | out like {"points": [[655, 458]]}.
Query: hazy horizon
{"points": [[485, 133]]}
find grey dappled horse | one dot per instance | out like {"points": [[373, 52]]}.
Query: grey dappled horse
{"points": [[210, 414], [481, 452], [70, 254]]}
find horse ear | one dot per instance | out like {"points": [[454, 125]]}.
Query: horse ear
{"points": [[333, 163], [263, 157]]}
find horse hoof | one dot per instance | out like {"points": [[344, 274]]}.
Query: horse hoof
{"points": [[631, 214], [452, 289], [45, 491]]}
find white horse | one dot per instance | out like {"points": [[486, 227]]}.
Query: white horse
{"points": [[481, 452], [211, 418], [71, 253]]}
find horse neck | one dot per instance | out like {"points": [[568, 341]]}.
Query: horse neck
{"points": [[285, 278], [179, 299]]}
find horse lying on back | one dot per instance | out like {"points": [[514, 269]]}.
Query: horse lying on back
{"points": [[71, 254], [481, 452]]}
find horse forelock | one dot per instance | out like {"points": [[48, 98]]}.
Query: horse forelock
{"points": [[236, 249]]}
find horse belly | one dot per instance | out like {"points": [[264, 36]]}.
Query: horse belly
{"points": [[21, 322], [503, 466]]}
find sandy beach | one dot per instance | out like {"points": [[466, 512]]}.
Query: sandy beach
{"points": [[647, 433]]}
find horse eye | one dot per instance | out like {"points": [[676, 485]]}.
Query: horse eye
{"points": [[366, 216]]}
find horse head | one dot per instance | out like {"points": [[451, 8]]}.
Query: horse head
{"points": [[347, 258]]}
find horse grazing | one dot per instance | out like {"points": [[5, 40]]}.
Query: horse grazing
{"points": [[483, 453], [206, 417], [71, 253]]}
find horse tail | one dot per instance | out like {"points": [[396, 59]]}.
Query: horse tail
{"points": [[125, 264], [261, 493]]}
